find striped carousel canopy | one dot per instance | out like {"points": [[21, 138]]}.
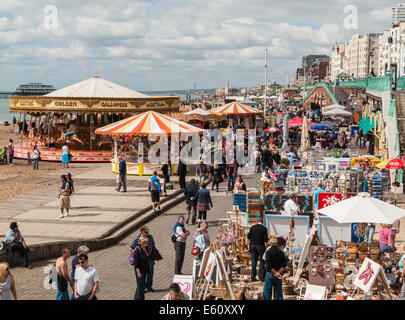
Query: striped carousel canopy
{"points": [[150, 122], [235, 108]]}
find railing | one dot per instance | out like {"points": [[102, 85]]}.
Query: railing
{"points": [[360, 83]]}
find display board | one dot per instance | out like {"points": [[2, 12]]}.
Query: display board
{"points": [[186, 283], [368, 274], [279, 225], [275, 203], [239, 199], [329, 231]]}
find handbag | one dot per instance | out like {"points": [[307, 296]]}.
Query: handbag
{"points": [[195, 251], [155, 255], [173, 238]]}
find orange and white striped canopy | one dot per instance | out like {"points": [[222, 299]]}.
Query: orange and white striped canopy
{"points": [[150, 122], [235, 108]]}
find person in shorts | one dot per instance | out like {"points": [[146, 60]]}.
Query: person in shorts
{"points": [[155, 191], [64, 197]]}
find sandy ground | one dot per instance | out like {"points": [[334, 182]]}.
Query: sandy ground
{"points": [[21, 178]]}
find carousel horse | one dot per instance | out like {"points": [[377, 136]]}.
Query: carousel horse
{"points": [[72, 139], [103, 141]]}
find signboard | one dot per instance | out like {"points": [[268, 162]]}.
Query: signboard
{"points": [[212, 262], [368, 274], [326, 199], [186, 283], [132, 168], [275, 203], [330, 231], [280, 225], [149, 168], [222, 254]]}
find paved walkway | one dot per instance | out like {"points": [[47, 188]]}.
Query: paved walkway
{"points": [[96, 206], [116, 274]]}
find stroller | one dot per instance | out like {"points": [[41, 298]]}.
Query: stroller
{"points": [[3, 156]]}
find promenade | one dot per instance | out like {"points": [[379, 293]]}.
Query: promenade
{"points": [[96, 206]]}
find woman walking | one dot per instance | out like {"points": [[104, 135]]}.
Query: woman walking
{"points": [[7, 283], [65, 156], [204, 201], [141, 266]]}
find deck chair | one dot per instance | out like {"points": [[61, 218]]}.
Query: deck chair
{"points": [[313, 292]]}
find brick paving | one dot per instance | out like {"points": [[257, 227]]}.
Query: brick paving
{"points": [[117, 279]]}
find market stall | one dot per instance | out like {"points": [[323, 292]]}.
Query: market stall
{"points": [[234, 112], [131, 135]]}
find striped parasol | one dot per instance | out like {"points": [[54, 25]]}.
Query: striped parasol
{"points": [[235, 108], [150, 122]]}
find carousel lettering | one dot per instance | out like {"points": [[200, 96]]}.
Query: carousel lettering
{"points": [[27, 103], [66, 104], [114, 104]]}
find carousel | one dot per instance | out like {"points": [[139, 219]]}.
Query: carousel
{"points": [[70, 115], [198, 117], [234, 112], [131, 135]]}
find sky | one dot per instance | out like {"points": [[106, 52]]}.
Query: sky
{"points": [[172, 44]]}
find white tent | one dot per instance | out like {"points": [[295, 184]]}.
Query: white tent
{"points": [[96, 87], [333, 106], [199, 111], [273, 97], [337, 112], [363, 209]]}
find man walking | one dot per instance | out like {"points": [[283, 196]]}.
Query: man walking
{"points": [[151, 243], [258, 241], [122, 178], [275, 266], [86, 280], [16, 241], [63, 276], [182, 175], [266, 158], [155, 191], [181, 235], [190, 193]]}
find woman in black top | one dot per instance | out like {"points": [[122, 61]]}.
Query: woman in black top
{"points": [[216, 176], [141, 266]]}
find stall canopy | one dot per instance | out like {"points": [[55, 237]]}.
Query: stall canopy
{"points": [[235, 108], [272, 130], [318, 127], [391, 164], [96, 87], [363, 209], [329, 124], [337, 112], [150, 122], [196, 114], [298, 122], [249, 103], [333, 106]]}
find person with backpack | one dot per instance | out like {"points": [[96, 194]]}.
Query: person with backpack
{"points": [[141, 262], [155, 191], [64, 196], [180, 237]]}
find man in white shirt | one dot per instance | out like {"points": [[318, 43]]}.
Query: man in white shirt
{"points": [[291, 209], [180, 245], [86, 280]]}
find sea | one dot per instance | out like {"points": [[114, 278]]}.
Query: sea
{"points": [[6, 115]]}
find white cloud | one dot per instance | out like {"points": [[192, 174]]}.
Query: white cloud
{"points": [[168, 44]]}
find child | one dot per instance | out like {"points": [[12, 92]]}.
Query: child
{"points": [[29, 158]]}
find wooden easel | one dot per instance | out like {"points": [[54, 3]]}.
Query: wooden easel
{"points": [[305, 251]]}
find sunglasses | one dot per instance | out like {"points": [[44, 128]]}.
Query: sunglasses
{"points": [[82, 262]]}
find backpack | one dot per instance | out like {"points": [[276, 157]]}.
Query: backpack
{"points": [[132, 256]]}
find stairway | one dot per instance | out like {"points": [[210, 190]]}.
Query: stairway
{"points": [[340, 95]]}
